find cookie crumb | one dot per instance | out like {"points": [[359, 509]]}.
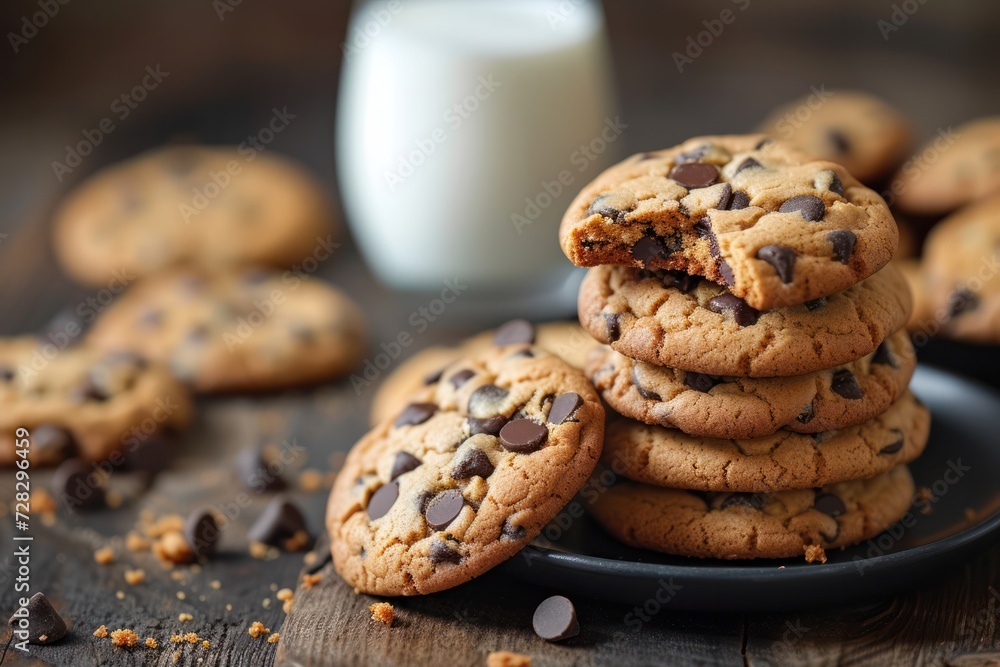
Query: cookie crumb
{"points": [[136, 542], [216, 584], [176, 657], [101, 632], [124, 637], [104, 556], [113, 499], [184, 617], [287, 597], [181, 595], [133, 577], [120, 595], [192, 638], [383, 612], [310, 580], [507, 659], [273, 639], [42, 502], [205, 643], [177, 639], [310, 480], [257, 629], [815, 554], [173, 548], [926, 497], [266, 603], [42, 638], [297, 542], [151, 643]]}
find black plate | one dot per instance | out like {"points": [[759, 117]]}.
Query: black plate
{"points": [[583, 559]]}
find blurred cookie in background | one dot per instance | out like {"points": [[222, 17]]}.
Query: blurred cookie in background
{"points": [[854, 129], [200, 205]]}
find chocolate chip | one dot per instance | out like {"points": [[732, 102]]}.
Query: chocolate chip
{"points": [[45, 626], [254, 472], [382, 500], [727, 194], [6, 374], [487, 425], [807, 414], [694, 154], [700, 381], [473, 463], [962, 300], [523, 435], [816, 303], [741, 310], [461, 377], [75, 487], [680, 280], [89, 390], [748, 163], [564, 407], [649, 248], [280, 521], [51, 442], [829, 504], [763, 142], [415, 413], [895, 445], [515, 332], [809, 207], [828, 536], [487, 401], [602, 205], [843, 244], [402, 464], [613, 323], [522, 354], [555, 619], [739, 200], [433, 377], [838, 141], [202, 533], [645, 393], [883, 355], [444, 508], [782, 258], [704, 228], [439, 552], [512, 532], [754, 500], [845, 384], [829, 180], [695, 174], [726, 272]]}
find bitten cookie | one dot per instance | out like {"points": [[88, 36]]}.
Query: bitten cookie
{"points": [[778, 462], [733, 407], [951, 170], [566, 340], [236, 330], [675, 320], [754, 525], [207, 206], [465, 475], [751, 213], [82, 402], [854, 129]]}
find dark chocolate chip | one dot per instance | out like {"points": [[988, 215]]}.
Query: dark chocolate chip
{"points": [[829, 504], [700, 381], [522, 354], [515, 332], [439, 552], [75, 487], [415, 413], [694, 154], [444, 508], [807, 414], [741, 310], [763, 142], [382, 500], [695, 174], [613, 322], [739, 200], [51, 443], [602, 206], [838, 141], [202, 532], [523, 435], [816, 303], [555, 619], [473, 463], [461, 377], [680, 280], [845, 384], [487, 425], [89, 390], [433, 377], [254, 472], [754, 500], [830, 537], [835, 185], [962, 300], [704, 229], [45, 626], [6, 374], [748, 163], [726, 272], [487, 401], [727, 194], [645, 393], [843, 244], [402, 464], [883, 355], [782, 258], [280, 521], [809, 207], [564, 407], [649, 248], [895, 445], [512, 532]]}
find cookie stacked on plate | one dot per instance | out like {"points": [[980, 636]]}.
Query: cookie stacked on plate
{"points": [[754, 350]]}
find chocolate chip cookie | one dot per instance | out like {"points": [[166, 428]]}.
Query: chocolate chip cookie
{"points": [[201, 205], [563, 339], [733, 407], [757, 215], [82, 402], [754, 525], [238, 329], [778, 462], [854, 129], [954, 168], [679, 321], [466, 474]]}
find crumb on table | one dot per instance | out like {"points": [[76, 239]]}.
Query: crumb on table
{"points": [[257, 629], [133, 577], [310, 580], [151, 643], [104, 556], [101, 632], [507, 659], [382, 612], [124, 637], [815, 554], [273, 639]]}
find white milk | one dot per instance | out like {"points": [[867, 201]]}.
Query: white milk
{"points": [[456, 121]]}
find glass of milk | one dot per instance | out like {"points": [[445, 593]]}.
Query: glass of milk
{"points": [[464, 129]]}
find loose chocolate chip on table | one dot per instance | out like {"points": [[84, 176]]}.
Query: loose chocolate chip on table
{"points": [[202, 533], [883, 355], [838, 141], [439, 552], [649, 248], [700, 381], [74, 486], [523, 435], [555, 619], [51, 442], [279, 521], [845, 384], [816, 303], [487, 401], [461, 377], [961, 301], [514, 332], [402, 464], [807, 414], [695, 174], [613, 322], [645, 393], [415, 413], [433, 377], [45, 626], [829, 504], [739, 200], [895, 445], [782, 258], [473, 463], [754, 500], [563, 407], [487, 425], [748, 163], [443, 508], [809, 207], [741, 310], [254, 473], [843, 244]]}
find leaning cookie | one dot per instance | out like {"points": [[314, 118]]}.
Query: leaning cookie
{"points": [[675, 320], [82, 402], [781, 461], [756, 215], [757, 525], [563, 339], [236, 330], [201, 205], [734, 407], [466, 474]]}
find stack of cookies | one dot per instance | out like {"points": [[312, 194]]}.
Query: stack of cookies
{"points": [[754, 350]]}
